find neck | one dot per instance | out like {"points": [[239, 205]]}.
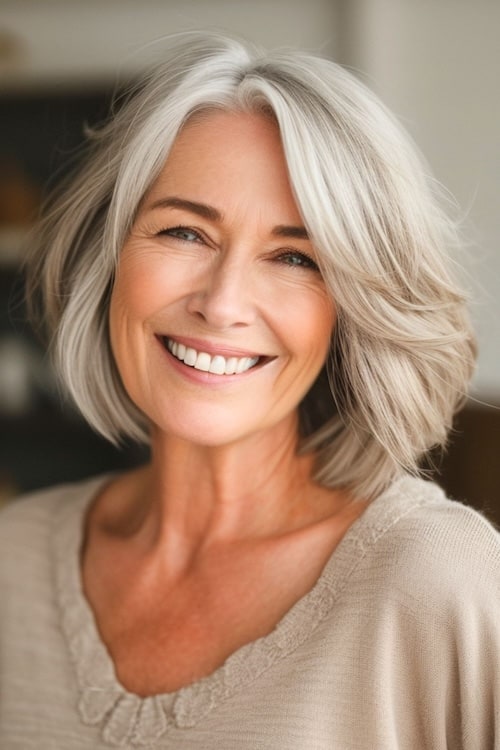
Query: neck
{"points": [[239, 489], [194, 496]]}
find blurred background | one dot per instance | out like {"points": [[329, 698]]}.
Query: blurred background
{"points": [[436, 64]]}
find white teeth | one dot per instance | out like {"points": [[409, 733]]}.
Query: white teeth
{"points": [[231, 365], [218, 365], [202, 362], [190, 356], [242, 365]]}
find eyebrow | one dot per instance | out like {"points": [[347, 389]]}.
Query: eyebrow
{"points": [[212, 214], [207, 212], [299, 233]]}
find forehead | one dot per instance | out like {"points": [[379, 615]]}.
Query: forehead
{"points": [[227, 139], [229, 160], [232, 125]]}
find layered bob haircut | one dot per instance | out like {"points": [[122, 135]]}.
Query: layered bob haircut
{"points": [[402, 351]]}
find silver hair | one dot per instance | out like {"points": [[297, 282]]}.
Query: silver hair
{"points": [[402, 352]]}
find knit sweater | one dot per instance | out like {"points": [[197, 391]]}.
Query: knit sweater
{"points": [[396, 647]]}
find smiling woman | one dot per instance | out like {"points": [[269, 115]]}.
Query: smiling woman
{"points": [[251, 274]]}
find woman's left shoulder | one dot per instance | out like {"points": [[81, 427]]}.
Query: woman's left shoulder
{"points": [[428, 588], [449, 526], [442, 542]]}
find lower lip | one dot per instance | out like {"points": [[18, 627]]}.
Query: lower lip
{"points": [[200, 376]]}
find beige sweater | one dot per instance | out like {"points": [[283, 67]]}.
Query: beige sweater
{"points": [[397, 647]]}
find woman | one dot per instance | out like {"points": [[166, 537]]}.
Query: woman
{"points": [[250, 274]]}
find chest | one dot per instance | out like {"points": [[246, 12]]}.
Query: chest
{"points": [[164, 637]]}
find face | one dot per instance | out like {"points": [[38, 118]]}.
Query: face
{"points": [[220, 320]]}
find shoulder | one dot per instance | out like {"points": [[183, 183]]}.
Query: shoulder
{"points": [[436, 553], [28, 511], [34, 510], [423, 607], [26, 523], [443, 530]]}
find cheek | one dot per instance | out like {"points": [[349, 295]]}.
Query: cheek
{"points": [[310, 323], [134, 290], [143, 288], [148, 281], [131, 305]]}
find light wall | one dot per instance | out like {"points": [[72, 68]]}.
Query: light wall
{"points": [[85, 41]]}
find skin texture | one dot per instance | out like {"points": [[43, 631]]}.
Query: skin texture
{"points": [[189, 558]]}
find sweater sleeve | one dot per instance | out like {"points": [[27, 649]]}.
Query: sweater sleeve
{"points": [[445, 610], [473, 618]]}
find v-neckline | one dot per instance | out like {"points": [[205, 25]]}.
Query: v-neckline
{"points": [[127, 717]]}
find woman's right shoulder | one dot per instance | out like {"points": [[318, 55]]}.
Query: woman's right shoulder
{"points": [[26, 521], [35, 506], [25, 530], [28, 513]]}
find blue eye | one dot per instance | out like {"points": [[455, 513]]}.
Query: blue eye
{"points": [[298, 260], [182, 233]]}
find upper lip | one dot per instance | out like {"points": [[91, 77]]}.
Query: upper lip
{"points": [[212, 348]]}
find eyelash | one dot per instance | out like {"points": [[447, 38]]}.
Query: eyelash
{"points": [[171, 231], [305, 260]]}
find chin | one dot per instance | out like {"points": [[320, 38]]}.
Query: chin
{"points": [[209, 430]]}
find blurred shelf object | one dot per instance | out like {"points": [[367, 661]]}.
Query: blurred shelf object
{"points": [[19, 204], [12, 243]]}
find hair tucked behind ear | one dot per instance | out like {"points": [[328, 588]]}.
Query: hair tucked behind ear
{"points": [[402, 351]]}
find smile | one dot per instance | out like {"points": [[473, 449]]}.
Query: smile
{"points": [[215, 364]]}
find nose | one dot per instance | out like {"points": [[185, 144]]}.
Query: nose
{"points": [[223, 297]]}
